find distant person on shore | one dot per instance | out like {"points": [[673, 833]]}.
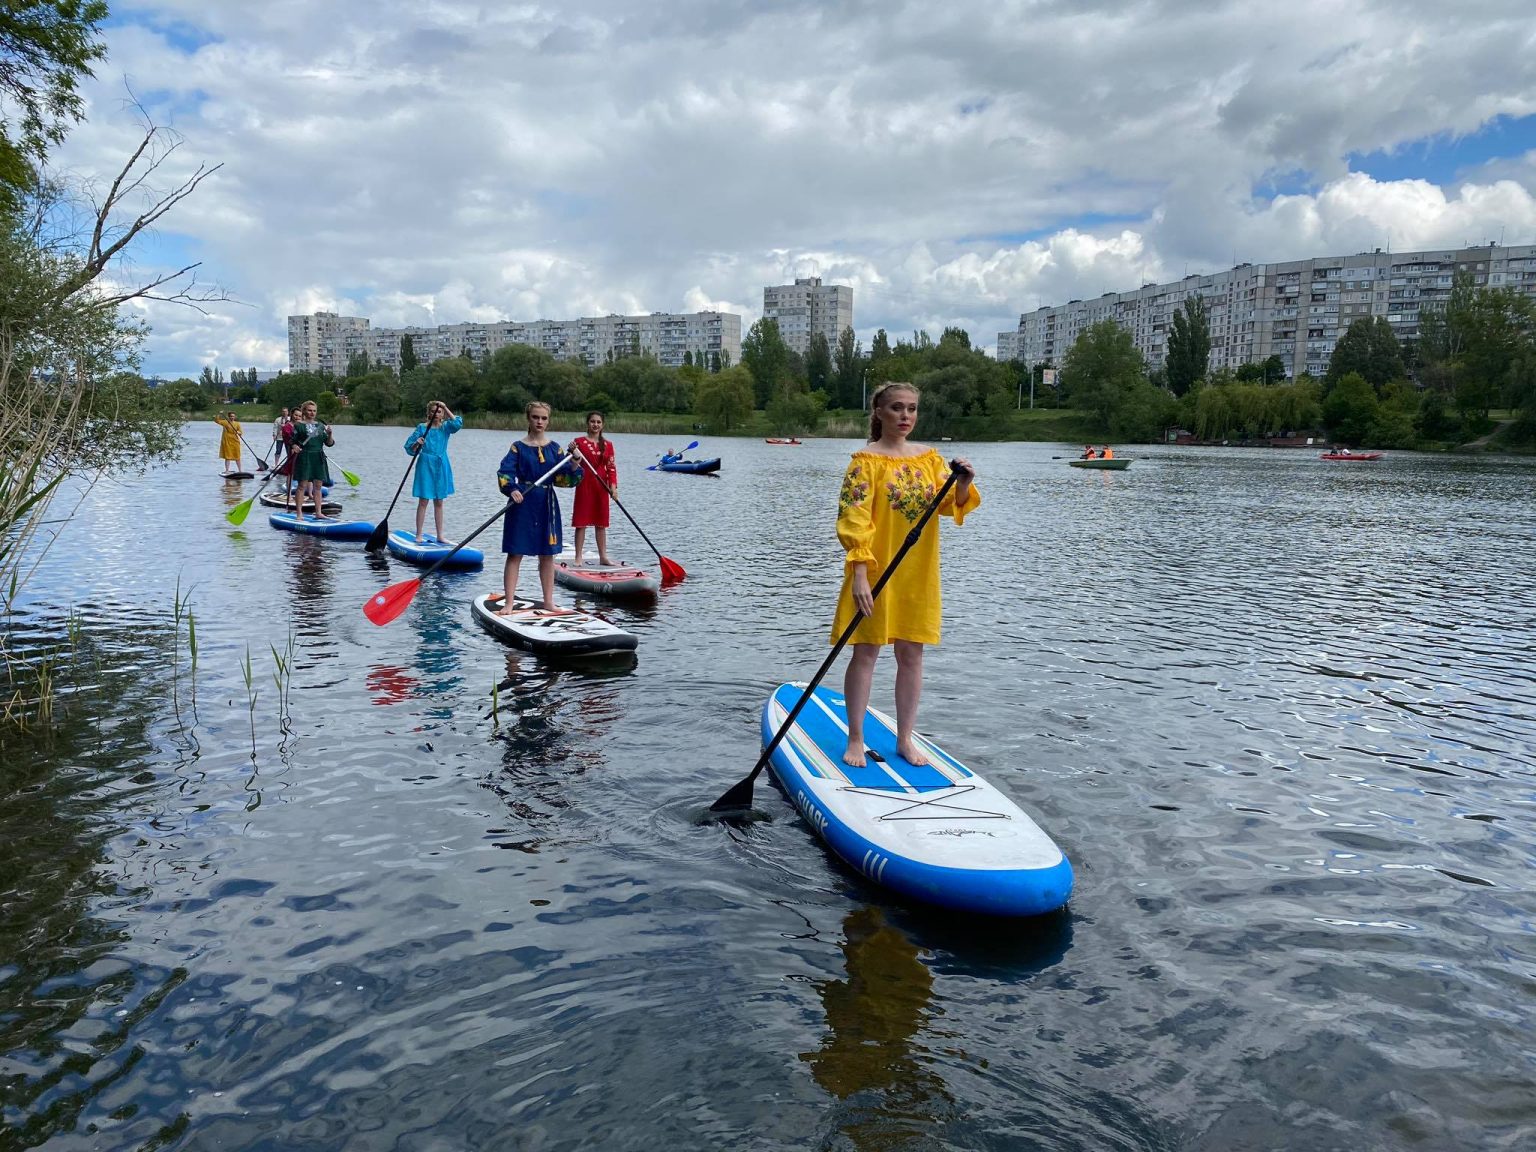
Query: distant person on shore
{"points": [[590, 506], [887, 487], [434, 476], [229, 441], [533, 523], [311, 437]]}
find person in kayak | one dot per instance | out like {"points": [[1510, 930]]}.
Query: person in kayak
{"points": [[229, 441], [311, 437], [589, 508], [888, 485], [434, 476], [532, 524]]}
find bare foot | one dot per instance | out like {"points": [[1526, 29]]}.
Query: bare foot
{"points": [[576, 560], [605, 562], [854, 756], [912, 752]]}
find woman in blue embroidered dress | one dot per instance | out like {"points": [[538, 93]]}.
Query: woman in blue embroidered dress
{"points": [[434, 476], [532, 524]]}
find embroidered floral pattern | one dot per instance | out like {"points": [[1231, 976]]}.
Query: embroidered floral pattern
{"points": [[909, 492], [855, 489]]}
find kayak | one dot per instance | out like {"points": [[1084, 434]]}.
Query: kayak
{"points": [[938, 834], [563, 632], [780, 440], [330, 529], [1118, 464], [278, 501], [621, 581], [1350, 456], [406, 546], [238, 475], [697, 467]]}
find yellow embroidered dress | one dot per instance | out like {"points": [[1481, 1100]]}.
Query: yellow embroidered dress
{"points": [[882, 498]]}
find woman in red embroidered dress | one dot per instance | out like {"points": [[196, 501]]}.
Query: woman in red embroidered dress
{"points": [[595, 455]]}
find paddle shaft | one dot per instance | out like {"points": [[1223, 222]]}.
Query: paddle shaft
{"points": [[381, 533], [595, 471], [565, 459], [740, 796]]}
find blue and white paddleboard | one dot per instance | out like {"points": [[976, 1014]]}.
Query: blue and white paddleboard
{"points": [[939, 833], [406, 546], [330, 529]]}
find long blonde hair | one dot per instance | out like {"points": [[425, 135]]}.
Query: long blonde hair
{"points": [[875, 431]]}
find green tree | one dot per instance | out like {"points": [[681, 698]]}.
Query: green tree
{"points": [[357, 365], [327, 404], [408, 359], [1350, 409], [818, 365], [848, 367], [766, 357], [879, 347], [725, 399], [453, 380], [1370, 348], [375, 397], [1189, 346], [182, 395], [1100, 369], [511, 376], [46, 48], [1273, 370]]}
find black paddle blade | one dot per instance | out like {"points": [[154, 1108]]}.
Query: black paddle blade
{"points": [[379, 539], [737, 800]]}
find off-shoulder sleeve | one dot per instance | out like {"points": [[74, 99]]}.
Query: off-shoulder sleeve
{"points": [[855, 517], [410, 441], [951, 507]]}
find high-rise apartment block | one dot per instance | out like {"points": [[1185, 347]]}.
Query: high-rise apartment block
{"points": [[806, 307], [325, 342], [1296, 310], [1008, 345]]}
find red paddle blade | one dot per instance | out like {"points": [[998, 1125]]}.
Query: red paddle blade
{"points": [[671, 571], [382, 607]]}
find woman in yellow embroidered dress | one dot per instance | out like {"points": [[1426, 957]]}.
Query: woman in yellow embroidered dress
{"points": [[889, 484]]}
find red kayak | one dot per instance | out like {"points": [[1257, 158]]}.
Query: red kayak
{"points": [[780, 440], [1350, 456]]}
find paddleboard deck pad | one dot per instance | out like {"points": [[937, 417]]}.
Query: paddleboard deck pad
{"points": [[939, 834], [330, 529], [564, 632], [278, 501], [619, 581], [408, 548]]}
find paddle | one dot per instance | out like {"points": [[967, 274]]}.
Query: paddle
{"points": [[384, 606], [240, 511], [739, 798], [671, 571], [351, 478], [688, 447], [380, 535]]}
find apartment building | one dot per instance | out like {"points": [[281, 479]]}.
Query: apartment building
{"points": [[319, 342], [1008, 345], [1296, 310], [806, 307]]}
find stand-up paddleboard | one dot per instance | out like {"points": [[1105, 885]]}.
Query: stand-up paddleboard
{"points": [[238, 475], [279, 501], [330, 529], [563, 632], [620, 581], [939, 833], [430, 550]]}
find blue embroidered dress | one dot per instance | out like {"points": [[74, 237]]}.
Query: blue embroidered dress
{"points": [[531, 528], [434, 477]]}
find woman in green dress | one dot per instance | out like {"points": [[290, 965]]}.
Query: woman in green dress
{"points": [[311, 437]]}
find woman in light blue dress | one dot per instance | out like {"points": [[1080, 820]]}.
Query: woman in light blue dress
{"points": [[434, 477]]}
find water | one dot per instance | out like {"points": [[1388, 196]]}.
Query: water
{"points": [[1280, 714]]}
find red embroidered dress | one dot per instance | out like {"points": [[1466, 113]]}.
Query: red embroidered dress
{"points": [[590, 508]]}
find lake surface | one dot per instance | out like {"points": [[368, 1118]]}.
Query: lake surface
{"points": [[1280, 714]]}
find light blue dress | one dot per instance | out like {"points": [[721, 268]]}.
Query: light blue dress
{"points": [[434, 477]]}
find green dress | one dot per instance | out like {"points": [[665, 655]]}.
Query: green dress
{"points": [[309, 439]]}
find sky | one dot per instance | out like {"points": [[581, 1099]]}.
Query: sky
{"points": [[957, 163]]}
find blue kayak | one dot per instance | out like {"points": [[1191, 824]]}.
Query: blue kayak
{"points": [[937, 833], [331, 529], [697, 467], [430, 551]]}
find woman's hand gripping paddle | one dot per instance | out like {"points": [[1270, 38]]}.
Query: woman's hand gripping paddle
{"points": [[382, 607], [380, 535], [739, 798], [671, 571]]}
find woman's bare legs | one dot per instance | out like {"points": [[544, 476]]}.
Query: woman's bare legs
{"points": [[909, 691], [509, 583], [437, 519], [602, 546], [581, 540], [856, 683], [547, 580], [421, 516]]}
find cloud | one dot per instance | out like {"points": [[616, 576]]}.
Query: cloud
{"points": [[460, 161]]}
